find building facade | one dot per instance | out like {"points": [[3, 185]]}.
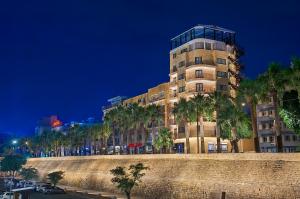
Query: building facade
{"points": [[203, 59], [266, 131]]}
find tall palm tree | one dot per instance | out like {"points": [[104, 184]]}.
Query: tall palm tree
{"points": [[273, 83], [155, 117], [95, 136], [111, 118], [234, 123], [248, 92], [183, 114], [106, 132], [202, 108]]}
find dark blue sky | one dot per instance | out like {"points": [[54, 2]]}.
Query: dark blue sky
{"points": [[69, 57]]}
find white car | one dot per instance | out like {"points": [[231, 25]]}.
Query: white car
{"points": [[7, 195]]}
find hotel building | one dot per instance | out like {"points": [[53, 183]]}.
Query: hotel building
{"points": [[203, 59]]}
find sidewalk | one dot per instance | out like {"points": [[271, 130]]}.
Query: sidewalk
{"points": [[95, 193]]}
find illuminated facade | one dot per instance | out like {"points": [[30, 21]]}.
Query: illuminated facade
{"points": [[203, 59]]}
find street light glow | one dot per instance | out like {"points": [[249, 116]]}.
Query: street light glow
{"points": [[14, 141]]}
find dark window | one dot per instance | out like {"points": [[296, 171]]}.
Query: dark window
{"points": [[182, 63], [219, 35], [183, 50], [198, 60], [199, 33], [287, 138], [221, 61], [294, 138], [181, 89], [208, 46], [181, 76], [209, 33], [222, 74], [264, 126], [174, 69], [199, 45], [198, 73], [181, 129], [271, 139], [199, 87]]}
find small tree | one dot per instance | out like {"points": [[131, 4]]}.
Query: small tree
{"points": [[12, 164], [164, 140], [126, 181], [55, 177], [29, 173]]}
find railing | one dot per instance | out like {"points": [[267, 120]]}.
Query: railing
{"points": [[202, 62], [203, 76], [201, 91]]}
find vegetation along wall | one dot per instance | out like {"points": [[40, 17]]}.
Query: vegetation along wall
{"points": [[247, 175]]}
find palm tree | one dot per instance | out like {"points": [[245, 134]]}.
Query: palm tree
{"points": [[248, 92], [234, 123], [164, 140], [106, 132], [95, 135], [111, 118], [202, 108], [183, 114], [273, 83], [293, 76], [155, 117]]}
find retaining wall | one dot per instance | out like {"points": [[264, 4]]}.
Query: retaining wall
{"points": [[247, 175]]}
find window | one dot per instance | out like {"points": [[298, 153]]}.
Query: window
{"points": [[181, 129], [209, 33], [199, 87], [181, 76], [264, 126], [271, 139], [294, 138], [208, 46], [219, 35], [287, 138], [174, 55], [174, 69], [265, 139], [182, 63], [183, 50], [198, 73], [219, 46], [198, 60], [199, 45], [181, 89], [221, 61], [222, 74], [270, 112], [199, 33]]}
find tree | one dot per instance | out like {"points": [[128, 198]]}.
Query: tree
{"points": [[155, 117], [29, 173], [106, 131], [248, 92], [234, 123], [55, 177], [202, 107], [126, 180], [183, 115], [12, 164], [273, 83], [164, 140]]}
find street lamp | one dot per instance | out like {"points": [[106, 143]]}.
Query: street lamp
{"points": [[14, 142], [243, 104]]}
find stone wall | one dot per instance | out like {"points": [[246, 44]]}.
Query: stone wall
{"points": [[247, 175]]}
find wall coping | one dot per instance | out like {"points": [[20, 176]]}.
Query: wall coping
{"points": [[228, 156]]}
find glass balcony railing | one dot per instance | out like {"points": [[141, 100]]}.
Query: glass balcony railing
{"points": [[201, 77]]}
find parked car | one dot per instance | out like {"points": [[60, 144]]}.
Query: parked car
{"points": [[42, 187], [111, 151], [7, 195]]}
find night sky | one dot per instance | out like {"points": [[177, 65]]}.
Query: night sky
{"points": [[68, 57]]}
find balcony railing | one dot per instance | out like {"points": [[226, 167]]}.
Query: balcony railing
{"points": [[199, 77], [194, 90], [202, 62], [154, 99]]}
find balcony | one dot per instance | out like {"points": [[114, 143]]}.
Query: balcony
{"points": [[204, 91], [208, 62], [155, 99], [204, 76]]}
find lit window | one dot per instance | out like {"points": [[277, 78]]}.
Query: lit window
{"points": [[199, 45], [198, 60], [222, 74], [208, 46], [198, 73], [221, 61], [199, 87], [181, 89]]}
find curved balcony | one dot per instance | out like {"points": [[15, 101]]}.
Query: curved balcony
{"points": [[208, 63], [203, 77]]}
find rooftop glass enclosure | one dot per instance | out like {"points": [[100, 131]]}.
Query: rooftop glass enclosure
{"points": [[207, 31]]}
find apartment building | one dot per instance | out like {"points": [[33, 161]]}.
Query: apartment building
{"points": [[266, 131], [203, 59]]}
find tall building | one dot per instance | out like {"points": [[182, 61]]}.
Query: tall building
{"points": [[203, 59], [50, 123]]}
